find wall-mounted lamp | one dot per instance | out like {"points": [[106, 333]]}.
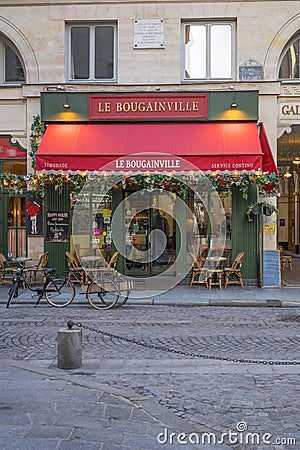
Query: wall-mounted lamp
{"points": [[234, 105], [287, 175], [66, 104]]}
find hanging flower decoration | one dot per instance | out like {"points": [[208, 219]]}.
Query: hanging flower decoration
{"points": [[267, 184], [35, 138], [254, 209]]}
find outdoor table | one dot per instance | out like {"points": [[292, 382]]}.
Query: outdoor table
{"points": [[21, 260]]}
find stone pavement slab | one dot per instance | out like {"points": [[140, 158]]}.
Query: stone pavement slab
{"points": [[131, 391]]}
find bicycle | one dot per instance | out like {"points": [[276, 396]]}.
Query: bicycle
{"points": [[105, 290], [57, 290]]}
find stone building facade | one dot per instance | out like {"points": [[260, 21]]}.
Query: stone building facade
{"points": [[147, 42]]}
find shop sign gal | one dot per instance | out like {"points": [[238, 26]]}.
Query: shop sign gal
{"points": [[289, 110]]}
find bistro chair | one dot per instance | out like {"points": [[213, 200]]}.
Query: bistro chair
{"points": [[106, 270], [199, 275], [5, 269], [284, 259], [74, 266], [38, 268], [233, 274], [77, 250], [214, 277]]}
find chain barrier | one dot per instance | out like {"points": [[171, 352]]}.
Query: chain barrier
{"points": [[71, 323]]}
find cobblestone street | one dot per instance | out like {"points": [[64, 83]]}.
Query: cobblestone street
{"points": [[197, 385]]}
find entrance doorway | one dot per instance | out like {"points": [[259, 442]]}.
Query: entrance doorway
{"points": [[13, 239], [150, 233]]}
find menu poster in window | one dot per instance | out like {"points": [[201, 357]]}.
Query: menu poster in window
{"points": [[34, 214], [57, 226]]}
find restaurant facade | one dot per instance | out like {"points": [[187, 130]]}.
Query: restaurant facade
{"points": [[157, 143], [88, 88]]}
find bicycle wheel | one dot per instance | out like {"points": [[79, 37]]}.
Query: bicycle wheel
{"points": [[102, 294], [12, 293], [124, 292], [59, 292]]}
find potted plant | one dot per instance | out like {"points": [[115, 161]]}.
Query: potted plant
{"points": [[269, 209], [254, 210]]}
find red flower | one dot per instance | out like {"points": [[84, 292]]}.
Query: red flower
{"points": [[165, 183], [269, 187]]}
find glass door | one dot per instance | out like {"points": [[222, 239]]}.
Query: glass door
{"points": [[150, 233], [16, 227]]}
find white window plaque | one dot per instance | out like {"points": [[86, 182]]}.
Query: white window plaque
{"points": [[148, 33]]}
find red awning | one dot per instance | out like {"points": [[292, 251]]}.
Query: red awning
{"points": [[208, 146], [268, 163]]}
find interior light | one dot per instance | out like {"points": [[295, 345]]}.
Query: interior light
{"points": [[296, 161], [287, 174], [66, 105], [234, 105]]}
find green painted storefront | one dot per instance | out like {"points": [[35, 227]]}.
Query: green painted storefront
{"points": [[244, 233]]}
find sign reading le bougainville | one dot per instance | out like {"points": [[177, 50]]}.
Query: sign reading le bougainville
{"points": [[145, 107]]}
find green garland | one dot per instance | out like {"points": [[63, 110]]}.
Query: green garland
{"points": [[266, 184], [35, 138], [254, 209]]}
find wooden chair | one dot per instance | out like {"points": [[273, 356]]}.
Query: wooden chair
{"points": [[77, 250], [214, 277], [284, 259], [108, 269], [233, 274], [5, 268], [199, 275], [38, 268], [74, 266]]}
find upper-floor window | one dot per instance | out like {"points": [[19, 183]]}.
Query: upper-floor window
{"points": [[209, 50], [11, 65], [92, 52], [289, 68]]}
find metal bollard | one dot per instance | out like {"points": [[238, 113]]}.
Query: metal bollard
{"points": [[69, 345]]}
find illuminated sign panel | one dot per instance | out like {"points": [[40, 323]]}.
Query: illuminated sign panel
{"points": [[145, 107]]}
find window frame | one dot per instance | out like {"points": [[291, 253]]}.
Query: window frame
{"points": [[208, 25], [92, 66], [5, 41], [286, 48]]}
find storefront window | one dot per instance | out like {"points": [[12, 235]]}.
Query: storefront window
{"points": [[93, 225], [203, 212], [15, 167], [146, 253]]}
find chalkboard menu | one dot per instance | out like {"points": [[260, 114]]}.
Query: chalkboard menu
{"points": [[271, 268], [57, 226]]}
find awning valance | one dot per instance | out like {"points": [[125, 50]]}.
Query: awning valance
{"points": [[215, 147]]}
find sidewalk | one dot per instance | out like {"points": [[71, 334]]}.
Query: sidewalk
{"points": [[182, 295]]}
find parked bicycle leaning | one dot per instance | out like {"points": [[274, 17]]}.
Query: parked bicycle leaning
{"points": [[57, 290]]}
